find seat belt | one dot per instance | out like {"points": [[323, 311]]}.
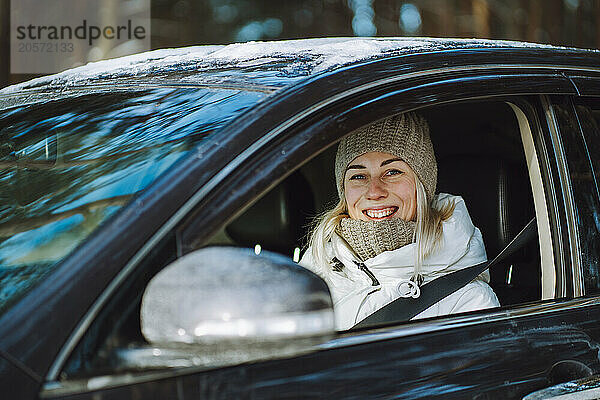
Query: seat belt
{"points": [[405, 308]]}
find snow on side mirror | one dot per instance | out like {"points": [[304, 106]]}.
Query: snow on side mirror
{"points": [[223, 305]]}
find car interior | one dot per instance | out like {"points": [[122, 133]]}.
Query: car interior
{"points": [[480, 157]]}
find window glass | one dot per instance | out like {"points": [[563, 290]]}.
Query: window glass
{"points": [[587, 186], [589, 115], [577, 164], [67, 166]]}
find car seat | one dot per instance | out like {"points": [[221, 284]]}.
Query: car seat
{"points": [[278, 221], [499, 199]]}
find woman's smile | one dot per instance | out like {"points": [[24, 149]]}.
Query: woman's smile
{"points": [[380, 213]]}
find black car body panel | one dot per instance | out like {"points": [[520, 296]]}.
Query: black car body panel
{"points": [[428, 365]]}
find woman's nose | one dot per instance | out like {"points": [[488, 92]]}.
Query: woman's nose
{"points": [[376, 189]]}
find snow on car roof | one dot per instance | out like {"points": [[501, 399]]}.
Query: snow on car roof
{"points": [[275, 63]]}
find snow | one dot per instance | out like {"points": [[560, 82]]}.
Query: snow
{"points": [[132, 65], [301, 57]]}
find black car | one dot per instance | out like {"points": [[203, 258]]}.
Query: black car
{"points": [[214, 160]]}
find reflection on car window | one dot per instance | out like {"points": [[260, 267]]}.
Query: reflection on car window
{"points": [[590, 121], [588, 188], [66, 166]]}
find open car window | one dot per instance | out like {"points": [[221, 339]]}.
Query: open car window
{"points": [[481, 155]]}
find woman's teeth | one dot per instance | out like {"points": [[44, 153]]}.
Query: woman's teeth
{"points": [[382, 213]]}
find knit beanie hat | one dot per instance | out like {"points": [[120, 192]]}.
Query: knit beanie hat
{"points": [[405, 136]]}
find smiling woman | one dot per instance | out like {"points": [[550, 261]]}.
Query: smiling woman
{"points": [[390, 233]]}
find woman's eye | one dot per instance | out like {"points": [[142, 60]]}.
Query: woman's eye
{"points": [[394, 172], [356, 177]]}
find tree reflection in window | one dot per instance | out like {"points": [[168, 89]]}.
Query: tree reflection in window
{"points": [[67, 166]]}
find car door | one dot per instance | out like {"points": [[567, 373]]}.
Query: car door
{"points": [[472, 355]]}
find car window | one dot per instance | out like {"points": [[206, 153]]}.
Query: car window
{"points": [[587, 181], [480, 155], [66, 166], [588, 111]]}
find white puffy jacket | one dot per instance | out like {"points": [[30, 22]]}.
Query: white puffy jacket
{"points": [[355, 297]]}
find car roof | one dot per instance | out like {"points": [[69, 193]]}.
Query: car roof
{"points": [[259, 66]]}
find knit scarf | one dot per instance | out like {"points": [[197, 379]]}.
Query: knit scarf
{"points": [[371, 238]]}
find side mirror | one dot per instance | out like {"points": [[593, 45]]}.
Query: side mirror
{"points": [[223, 305]]}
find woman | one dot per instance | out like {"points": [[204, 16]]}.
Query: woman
{"points": [[389, 234]]}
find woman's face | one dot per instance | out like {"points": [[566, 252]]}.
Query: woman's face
{"points": [[380, 186]]}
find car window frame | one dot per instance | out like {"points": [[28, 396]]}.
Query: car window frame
{"points": [[540, 193]]}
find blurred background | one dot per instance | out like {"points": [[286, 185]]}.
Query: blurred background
{"points": [[178, 23]]}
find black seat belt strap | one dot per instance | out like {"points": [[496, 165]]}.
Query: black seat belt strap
{"points": [[403, 309]]}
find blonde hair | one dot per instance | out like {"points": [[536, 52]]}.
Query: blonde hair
{"points": [[323, 228], [428, 230]]}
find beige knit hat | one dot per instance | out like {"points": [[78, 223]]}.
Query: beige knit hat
{"points": [[405, 136]]}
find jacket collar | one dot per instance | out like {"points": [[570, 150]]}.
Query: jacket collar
{"points": [[451, 255]]}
